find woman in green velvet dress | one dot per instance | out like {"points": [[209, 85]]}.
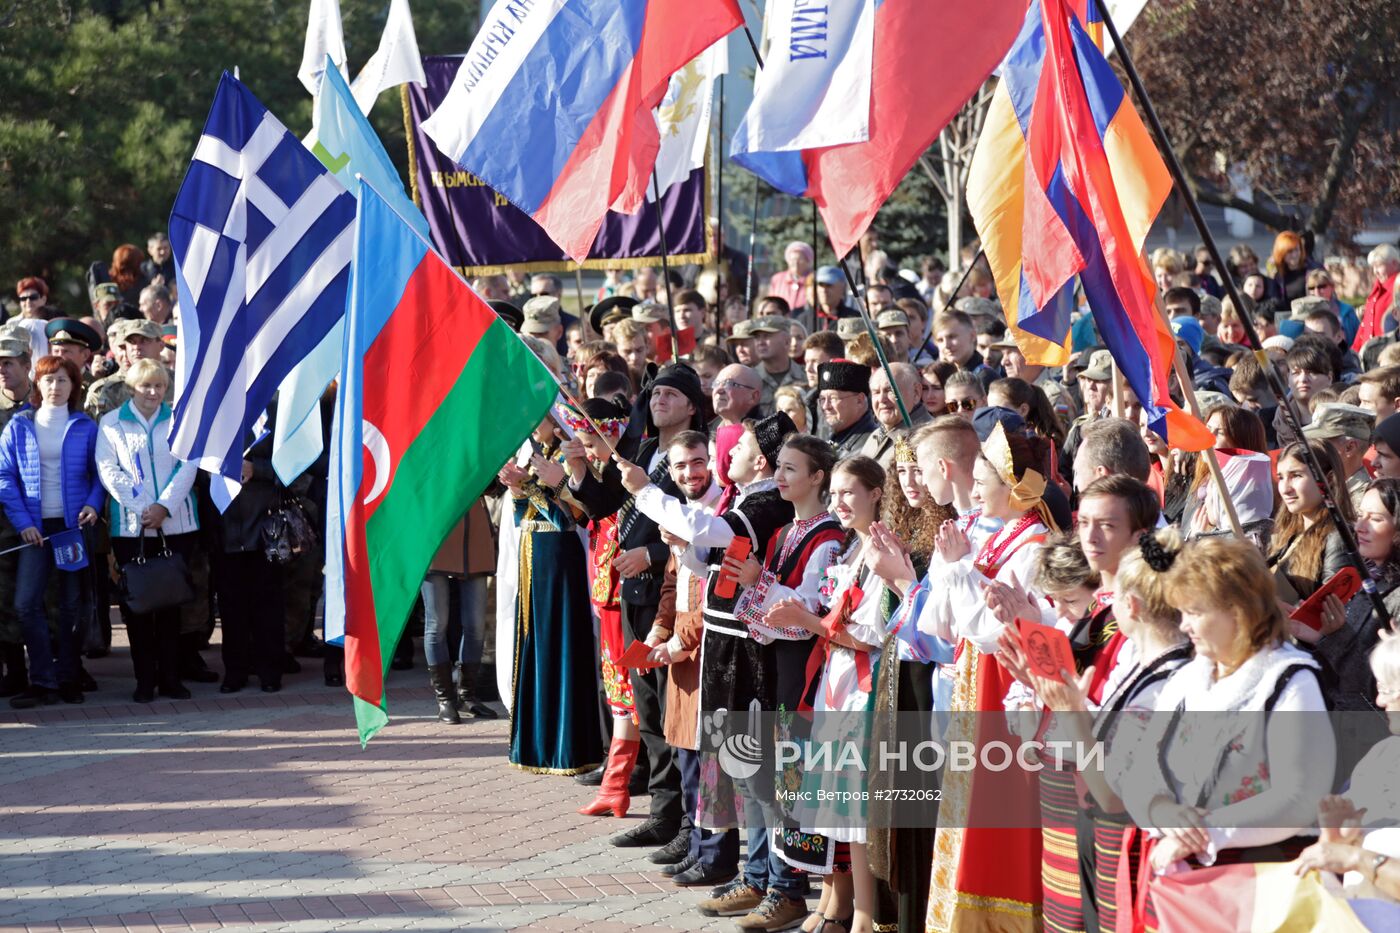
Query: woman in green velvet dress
{"points": [[554, 726]]}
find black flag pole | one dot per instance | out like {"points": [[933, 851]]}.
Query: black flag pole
{"points": [[665, 268], [875, 339], [753, 233], [845, 268], [816, 253], [1275, 382]]}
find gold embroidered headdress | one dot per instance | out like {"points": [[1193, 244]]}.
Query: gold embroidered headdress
{"points": [[1026, 492], [903, 450]]}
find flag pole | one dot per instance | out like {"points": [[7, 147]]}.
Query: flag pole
{"points": [[816, 245], [846, 269], [875, 339], [1275, 383], [665, 269], [1183, 377], [753, 231], [724, 270], [578, 286], [963, 281]]}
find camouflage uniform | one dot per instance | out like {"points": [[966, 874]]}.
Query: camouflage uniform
{"points": [[106, 394]]}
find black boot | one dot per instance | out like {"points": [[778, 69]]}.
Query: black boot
{"points": [[440, 675], [467, 701], [16, 674]]}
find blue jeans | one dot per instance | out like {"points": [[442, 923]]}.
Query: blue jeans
{"points": [[762, 867], [53, 657], [437, 622]]}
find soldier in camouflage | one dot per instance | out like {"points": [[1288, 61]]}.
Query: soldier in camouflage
{"points": [[131, 341]]}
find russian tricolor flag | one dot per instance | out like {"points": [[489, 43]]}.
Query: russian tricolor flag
{"points": [[852, 94], [1066, 182], [552, 105]]}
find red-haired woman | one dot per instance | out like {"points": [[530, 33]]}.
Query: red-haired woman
{"points": [[33, 295], [1290, 266], [49, 484], [125, 272]]}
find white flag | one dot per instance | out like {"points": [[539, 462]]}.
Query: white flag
{"points": [[395, 62], [814, 88], [683, 116], [324, 36]]}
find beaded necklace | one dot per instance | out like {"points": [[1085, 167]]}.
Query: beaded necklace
{"points": [[989, 559]]}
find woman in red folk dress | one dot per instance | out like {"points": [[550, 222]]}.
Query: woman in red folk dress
{"points": [[609, 416], [986, 858]]}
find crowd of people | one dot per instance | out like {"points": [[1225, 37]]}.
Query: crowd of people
{"points": [[784, 521], [774, 505]]}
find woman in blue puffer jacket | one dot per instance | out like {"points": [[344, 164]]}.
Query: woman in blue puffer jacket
{"points": [[49, 483]]}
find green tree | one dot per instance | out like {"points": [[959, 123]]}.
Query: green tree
{"points": [[103, 104]]}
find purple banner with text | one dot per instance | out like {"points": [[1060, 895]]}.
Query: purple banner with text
{"points": [[481, 233]]}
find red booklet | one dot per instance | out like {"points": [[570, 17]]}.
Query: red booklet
{"points": [[1046, 649], [1345, 584], [637, 656]]}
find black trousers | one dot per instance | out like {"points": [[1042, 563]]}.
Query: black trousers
{"points": [[648, 695], [154, 636], [251, 608]]}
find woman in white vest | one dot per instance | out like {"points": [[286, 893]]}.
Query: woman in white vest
{"points": [[1221, 779], [151, 495]]}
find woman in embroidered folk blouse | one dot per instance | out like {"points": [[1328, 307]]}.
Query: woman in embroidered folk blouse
{"points": [[1221, 788], [980, 871], [797, 560], [851, 645]]}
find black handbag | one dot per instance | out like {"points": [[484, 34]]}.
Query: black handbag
{"points": [[160, 581], [287, 531]]}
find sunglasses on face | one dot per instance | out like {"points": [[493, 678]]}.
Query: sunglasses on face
{"points": [[967, 404], [32, 296]]}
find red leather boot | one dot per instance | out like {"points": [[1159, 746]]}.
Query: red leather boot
{"points": [[612, 793]]}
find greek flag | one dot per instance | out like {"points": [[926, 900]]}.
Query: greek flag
{"points": [[263, 236]]}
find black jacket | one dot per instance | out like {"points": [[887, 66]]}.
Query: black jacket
{"points": [[603, 497]]}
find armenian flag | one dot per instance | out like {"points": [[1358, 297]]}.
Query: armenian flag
{"points": [[1065, 184]]}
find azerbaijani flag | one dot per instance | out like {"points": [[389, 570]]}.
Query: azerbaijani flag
{"points": [[1065, 183], [436, 393], [552, 105], [922, 60]]}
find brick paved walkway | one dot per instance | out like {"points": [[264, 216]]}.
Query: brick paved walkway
{"points": [[260, 812]]}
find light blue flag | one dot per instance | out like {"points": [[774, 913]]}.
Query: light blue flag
{"points": [[347, 145]]}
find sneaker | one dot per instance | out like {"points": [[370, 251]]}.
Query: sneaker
{"points": [[777, 911], [738, 899]]}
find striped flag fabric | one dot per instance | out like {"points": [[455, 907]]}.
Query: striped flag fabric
{"points": [[417, 437], [552, 106], [263, 236], [1258, 897], [348, 147], [920, 63], [1065, 183]]}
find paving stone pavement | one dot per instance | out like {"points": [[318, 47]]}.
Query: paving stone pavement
{"points": [[259, 812]]}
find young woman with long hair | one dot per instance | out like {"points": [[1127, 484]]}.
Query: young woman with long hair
{"points": [[1306, 548]]}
